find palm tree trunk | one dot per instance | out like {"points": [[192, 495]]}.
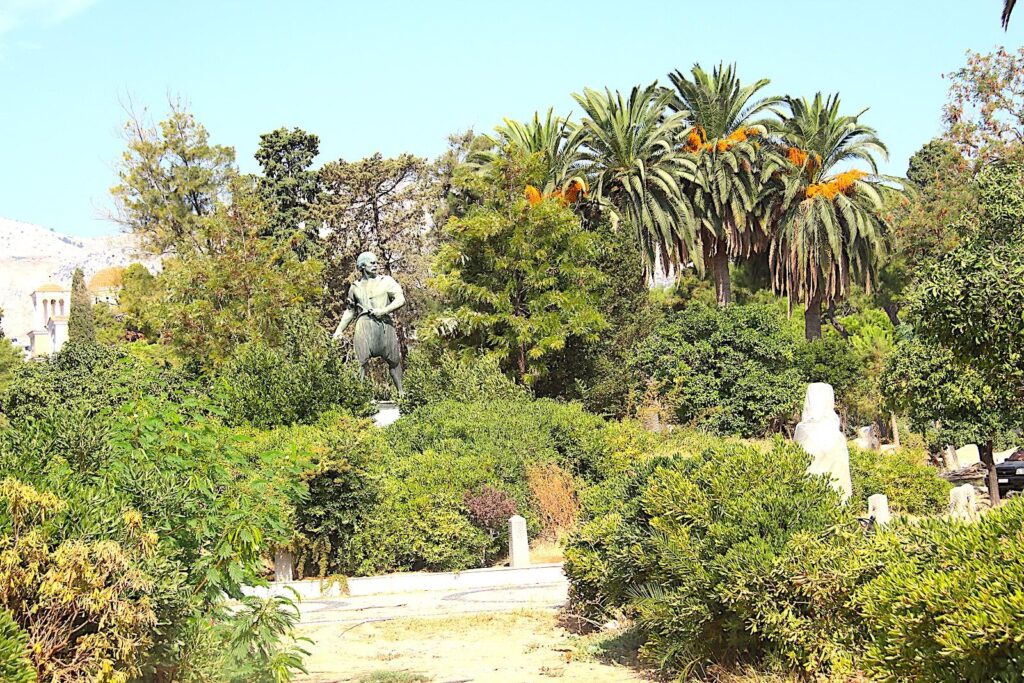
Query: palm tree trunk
{"points": [[719, 266], [812, 319]]}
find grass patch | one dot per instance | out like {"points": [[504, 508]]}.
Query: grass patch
{"points": [[393, 677]]}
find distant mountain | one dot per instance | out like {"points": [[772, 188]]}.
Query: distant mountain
{"points": [[31, 255]]}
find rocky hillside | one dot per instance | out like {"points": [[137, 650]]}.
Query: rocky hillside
{"points": [[31, 255]]}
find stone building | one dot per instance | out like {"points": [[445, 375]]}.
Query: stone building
{"points": [[51, 305], [51, 308]]}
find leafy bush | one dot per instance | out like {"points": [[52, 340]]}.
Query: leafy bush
{"points": [[118, 569], [419, 517], [696, 550], [88, 379], [911, 485], [266, 387], [731, 370], [948, 606], [441, 376], [15, 666]]}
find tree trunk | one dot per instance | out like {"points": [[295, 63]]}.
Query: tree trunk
{"points": [[812, 319], [992, 479], [895, 431], [893, 311], [521, 362], [719, 266], [835, 323]]}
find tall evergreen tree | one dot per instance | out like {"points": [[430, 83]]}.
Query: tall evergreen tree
{"points": [[81, 325], [290, 189]]}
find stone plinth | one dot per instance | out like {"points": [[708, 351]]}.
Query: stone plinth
{"points": [[518, 543], [387, 413], [820, 435]]}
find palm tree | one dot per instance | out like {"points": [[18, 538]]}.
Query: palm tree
{"points": [[554, 138], [1007, 11], [829, 225], [630, 154], [730, 168]]}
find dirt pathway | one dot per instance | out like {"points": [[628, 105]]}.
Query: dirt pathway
{"points": [[506, 635]]}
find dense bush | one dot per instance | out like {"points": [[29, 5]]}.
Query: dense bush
{"points": [[695, 547], [86, 379], [911, 485], [118, 565], [948, 606], [731, 370], [433, 377], [265, 387], [736, 556]]}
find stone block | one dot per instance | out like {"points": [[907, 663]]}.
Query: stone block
{"points": [[284, 565], [878, 509], [968, 455], [387, 413], [866, 439], [518, 542]]}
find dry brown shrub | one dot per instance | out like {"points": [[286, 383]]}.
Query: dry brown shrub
{"points": [[554, 492]]}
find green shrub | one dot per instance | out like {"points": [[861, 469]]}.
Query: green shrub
{"points": [[696, 549], [267, 387], [15, 666], [731, 370], [438, 454], [118, 566], [912, 486], [89, 379], [948, 606], [436, 377]]}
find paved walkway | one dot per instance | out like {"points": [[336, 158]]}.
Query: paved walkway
{"points": [[426, 604]]}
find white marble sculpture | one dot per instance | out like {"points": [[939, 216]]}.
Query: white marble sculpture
{"points": [[963, 502], [820, 435]]}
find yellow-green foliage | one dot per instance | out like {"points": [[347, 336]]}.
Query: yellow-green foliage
{"points": [[911, 485], [82, 602], [948, 605]]}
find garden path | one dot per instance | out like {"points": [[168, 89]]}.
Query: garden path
{"points": [[509, 635]]}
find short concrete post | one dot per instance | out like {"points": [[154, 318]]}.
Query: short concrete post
{"points": [[518, 542], [878, 509], [284, 565], [963, 502]]}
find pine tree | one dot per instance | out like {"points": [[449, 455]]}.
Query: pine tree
{"points": [[81, 326]]}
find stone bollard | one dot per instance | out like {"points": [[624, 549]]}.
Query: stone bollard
{"points": [[819, 434], [878, 509], [284, 565], [963, 502], [518, 543]]}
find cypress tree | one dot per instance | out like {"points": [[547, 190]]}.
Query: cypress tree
{"points": [[81, 326]]}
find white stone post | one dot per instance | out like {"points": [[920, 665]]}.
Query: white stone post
{"points": [[878, 509], [284, 565], [518, 542]]}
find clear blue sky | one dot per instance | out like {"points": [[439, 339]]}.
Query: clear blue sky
{"points": [[400, 76]]}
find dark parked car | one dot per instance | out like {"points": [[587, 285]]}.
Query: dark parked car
{"points": [[1010, 475]]}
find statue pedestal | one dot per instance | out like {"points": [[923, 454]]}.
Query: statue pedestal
{"points": [[387, 413]]}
